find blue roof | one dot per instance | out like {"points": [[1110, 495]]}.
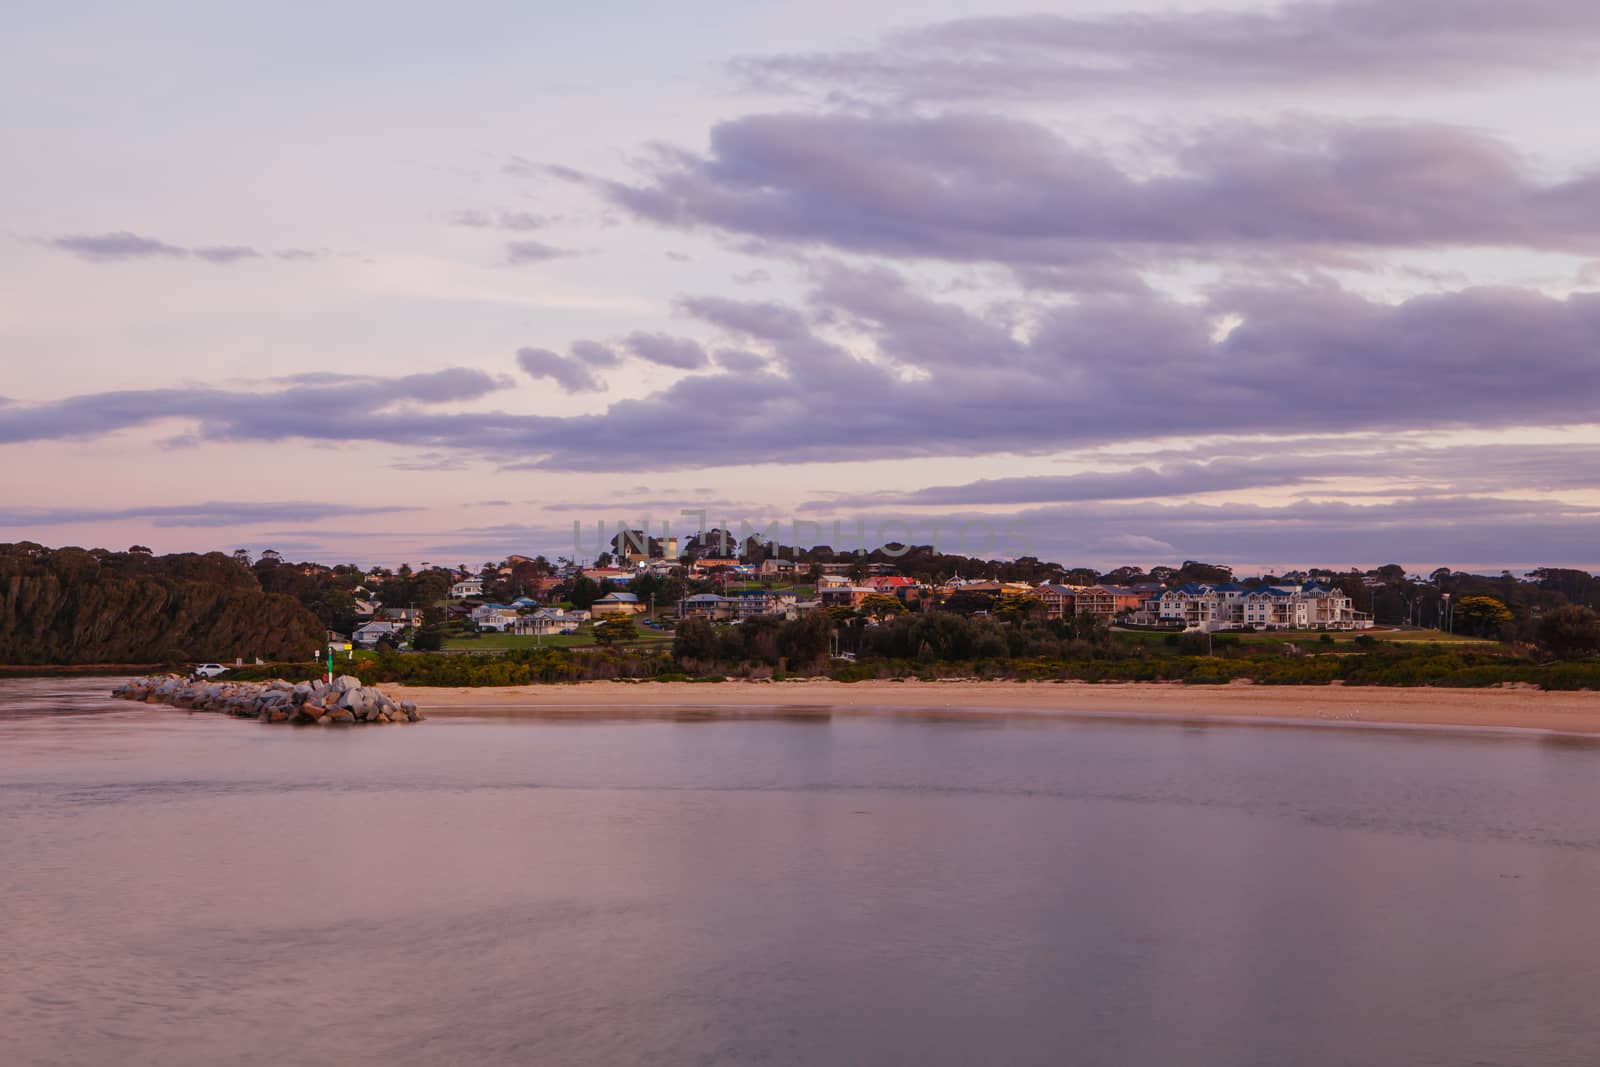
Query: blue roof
{"points": [[623, 598]]}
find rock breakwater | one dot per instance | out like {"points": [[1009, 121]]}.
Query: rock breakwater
{"points": [[345, 701]]}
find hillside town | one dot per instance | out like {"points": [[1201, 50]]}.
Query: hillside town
{"points": [[646, 586]]}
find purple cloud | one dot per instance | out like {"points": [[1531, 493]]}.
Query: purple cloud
{"points": [[933, 379], [1310, 44], [208, 514], [225, 254], [122, 246], [106, 247], [983, 188], [594, 353], [518, 252], [499, 220], [677, 352], [571, 375]]}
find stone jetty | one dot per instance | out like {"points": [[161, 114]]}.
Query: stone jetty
{"points": [[346, 700]]}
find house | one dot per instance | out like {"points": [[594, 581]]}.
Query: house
{"points": [[832, 581], [403, 616], [616, 604], [845, 596], [547, 621], [778, 567], [1231, 606], [707, 564], [707, 606], [469, 587], [971, 585], [890, 584], [544, 585], [369, 634], [494, 617], [1105, 601], [610, 575], [748, 603], [1059, 600]]}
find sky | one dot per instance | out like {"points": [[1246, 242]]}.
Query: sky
{"points": [[1288, 284]]}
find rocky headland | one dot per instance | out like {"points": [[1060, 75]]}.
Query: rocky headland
{"points": [[344, 701]]}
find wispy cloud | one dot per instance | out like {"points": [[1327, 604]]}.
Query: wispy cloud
{"points": [[121, 246], [516, 221], [206, 514], [1295, 47], [520, 252]]}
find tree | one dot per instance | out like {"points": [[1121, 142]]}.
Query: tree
{"points": [[807, 640], [859, 571], [1017, 607], [695, 639], [881, 606], [427, 641], [584, 593], [1571, 631], [612, 631], [1208, 573], [1482, 615]]}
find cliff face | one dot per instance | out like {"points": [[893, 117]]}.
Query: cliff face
{"points": [[73, 606]]}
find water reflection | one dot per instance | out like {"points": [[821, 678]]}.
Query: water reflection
{"points": [[788, 887]]}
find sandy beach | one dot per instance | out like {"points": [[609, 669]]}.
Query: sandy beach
{"points": [[1511, 708]]}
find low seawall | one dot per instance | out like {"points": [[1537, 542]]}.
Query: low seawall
{"points": [[345, 701]]}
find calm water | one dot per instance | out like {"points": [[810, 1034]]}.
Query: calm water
{"points": [[193, 889]]}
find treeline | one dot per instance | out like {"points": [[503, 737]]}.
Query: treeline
{"points": [[1375, 666], [72, 605]]}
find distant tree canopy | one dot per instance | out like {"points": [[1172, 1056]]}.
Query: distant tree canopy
{"points": [[1570, 631], [1193, 571], [70, 605]]}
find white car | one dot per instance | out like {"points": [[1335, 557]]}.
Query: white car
{"points": [[208, 670]]}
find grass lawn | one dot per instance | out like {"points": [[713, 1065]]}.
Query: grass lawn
{"points": [[1313, 637], [584, 638]]}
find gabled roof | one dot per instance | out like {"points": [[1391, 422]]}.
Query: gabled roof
{"points": [[621, 598], [1190, 589]]}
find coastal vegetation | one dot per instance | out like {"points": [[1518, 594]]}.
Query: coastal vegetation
{"points": [[72, 605], [75, 606], [980, 652]]}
